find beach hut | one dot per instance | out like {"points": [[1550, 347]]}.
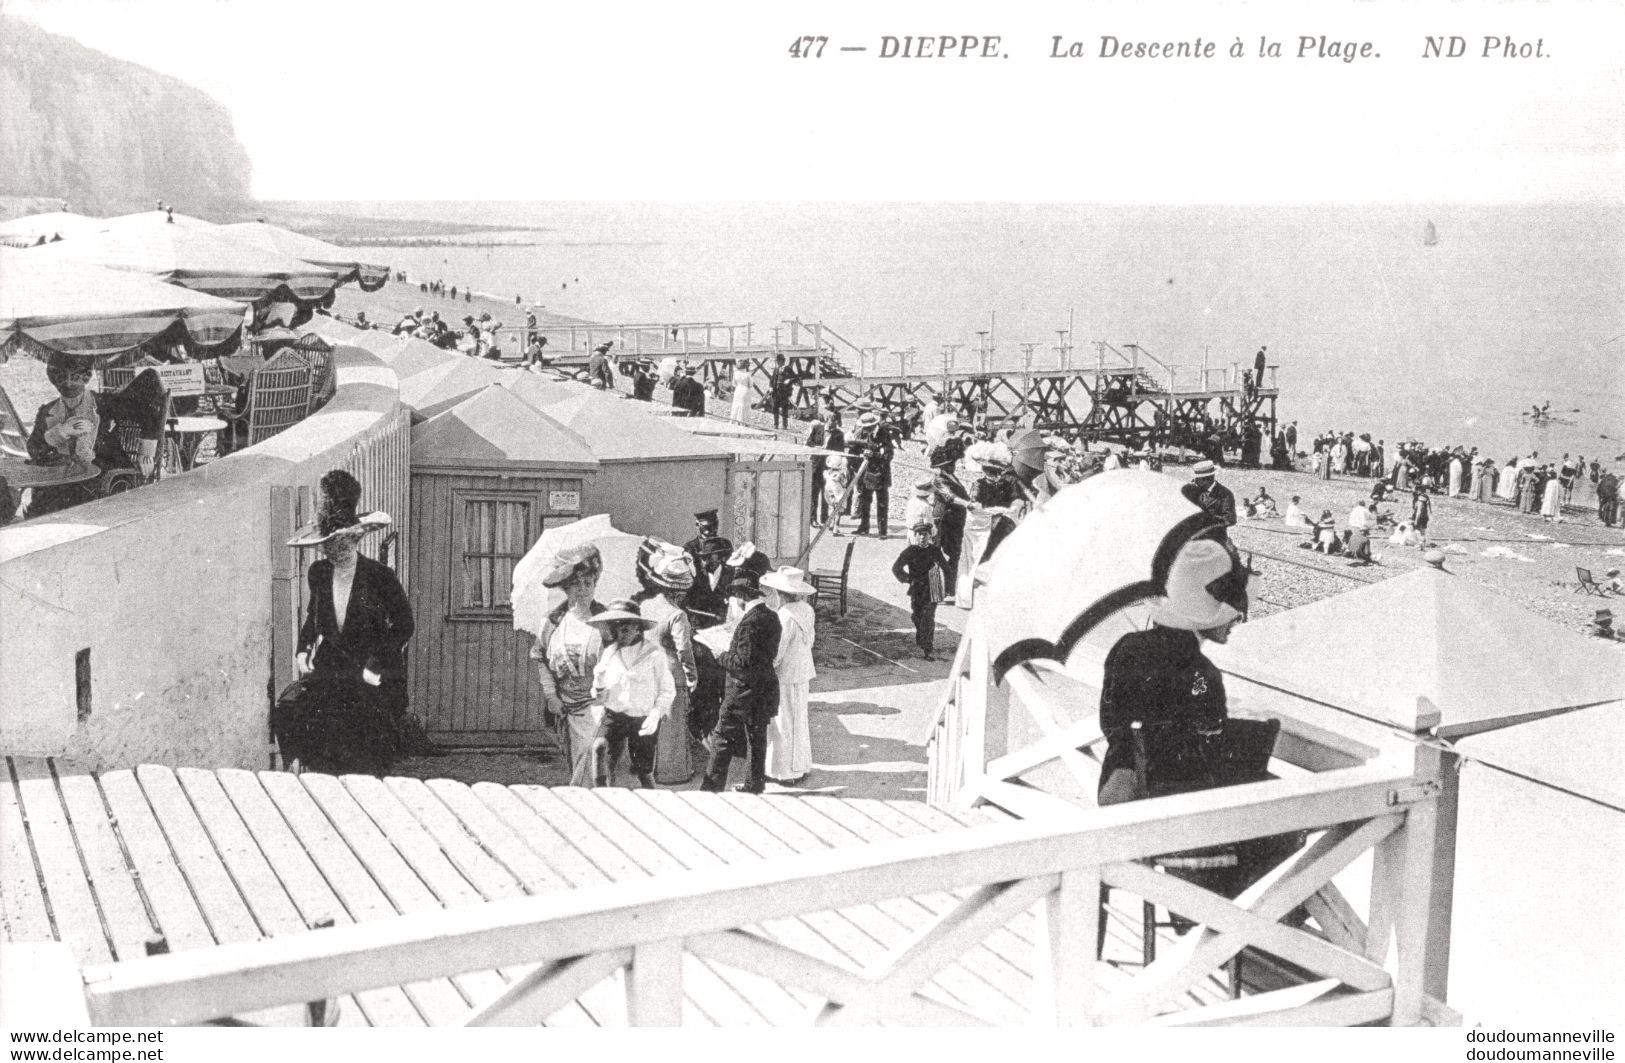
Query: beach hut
{"points": [[441, 386], [1540, 851], [652, 477], [488, 476], [1529, 716], [769, 490]]}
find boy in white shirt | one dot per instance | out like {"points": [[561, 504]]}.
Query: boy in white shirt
{"points": [[633, 682]]}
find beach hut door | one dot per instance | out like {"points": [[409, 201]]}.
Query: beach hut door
{"points": [[767, 501]]}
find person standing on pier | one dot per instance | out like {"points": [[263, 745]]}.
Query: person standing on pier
{"points": [[781, 389], [1258, 369], [875, 442], [750, 697], [741, 396], [1213, 497]]}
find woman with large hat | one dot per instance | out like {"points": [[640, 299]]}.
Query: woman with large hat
{"points": [[633, 683], [667, 573], [567, 650], [349, 713], [789, 741]]}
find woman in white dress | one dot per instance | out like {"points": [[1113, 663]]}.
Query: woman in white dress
{"points": [[1551, 503], [1455, 477], [741, 403], [789, 742], [1506, 489]]}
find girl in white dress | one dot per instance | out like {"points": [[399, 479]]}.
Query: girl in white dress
{"points": [[789, 741], [741, 400]]}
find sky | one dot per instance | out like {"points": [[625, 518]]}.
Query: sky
{"points": [[485, 100]]}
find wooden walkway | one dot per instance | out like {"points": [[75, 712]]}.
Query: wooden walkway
{"points": [[112, 864]]}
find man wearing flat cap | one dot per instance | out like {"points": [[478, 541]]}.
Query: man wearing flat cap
{"points": [[1213, 497], [750, 696]]}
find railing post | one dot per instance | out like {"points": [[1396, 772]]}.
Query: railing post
{"points": [[1408, 878], [1063, 971], [654, 984]]}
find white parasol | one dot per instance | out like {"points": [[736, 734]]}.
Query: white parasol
{"points": [[1090, 552], [532, 601]]}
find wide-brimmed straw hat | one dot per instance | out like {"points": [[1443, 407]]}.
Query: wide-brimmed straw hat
{"points": [[337, 497], [621, 609], [788, 580], [570, 561]]}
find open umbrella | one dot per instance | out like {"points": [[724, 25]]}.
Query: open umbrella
{"points": [[1093, 550], [369, 276], [30, 230], [532, 601], [195, 255], [51, 305]]}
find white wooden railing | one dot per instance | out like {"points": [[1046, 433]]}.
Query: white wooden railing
{"points": [[748, 917]]}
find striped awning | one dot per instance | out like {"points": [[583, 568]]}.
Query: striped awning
{"points": [[196, 255], [49, 304], [347, 264]]}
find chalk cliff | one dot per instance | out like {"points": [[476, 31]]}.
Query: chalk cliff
{"points": [[109, 136]]}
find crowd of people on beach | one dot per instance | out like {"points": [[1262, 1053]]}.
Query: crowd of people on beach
{"points": [[1533, 485]]}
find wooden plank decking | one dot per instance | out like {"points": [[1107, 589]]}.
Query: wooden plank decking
{"points": [[110, 863]]}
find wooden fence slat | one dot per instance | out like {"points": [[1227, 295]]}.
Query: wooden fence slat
{"points": [[26, 918], [776, 1003], [928, 956], [1064, 991], [228, 916], [654, 990], [128, 925], [307, 890], [78, 923], [180, 920], [877, 934], [549, 989], [791, 967], [384, 862], [978, 962], [604, 1002], [878, 820], [578, 812], [496, 838], [436, 1000]]}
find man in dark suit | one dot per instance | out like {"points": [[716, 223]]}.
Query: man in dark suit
{"points": [[351, 645], [750, 697], [707, 600], [705, 528]]}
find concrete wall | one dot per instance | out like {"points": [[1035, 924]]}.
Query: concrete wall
{"points": [[168, 588], [659, 498]]}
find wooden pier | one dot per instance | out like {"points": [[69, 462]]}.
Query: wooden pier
{"points": [[1124, 396]]}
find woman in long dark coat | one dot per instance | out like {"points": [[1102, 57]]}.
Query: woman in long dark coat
{"points": [[351, 645]]}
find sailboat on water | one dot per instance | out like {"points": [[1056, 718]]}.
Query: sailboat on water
{"points": [[1430, 235]]}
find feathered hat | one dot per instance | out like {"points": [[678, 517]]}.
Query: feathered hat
{"points": [[338, 495]]}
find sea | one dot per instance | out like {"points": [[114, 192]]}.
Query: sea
{"points": [[1440, 323]]}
